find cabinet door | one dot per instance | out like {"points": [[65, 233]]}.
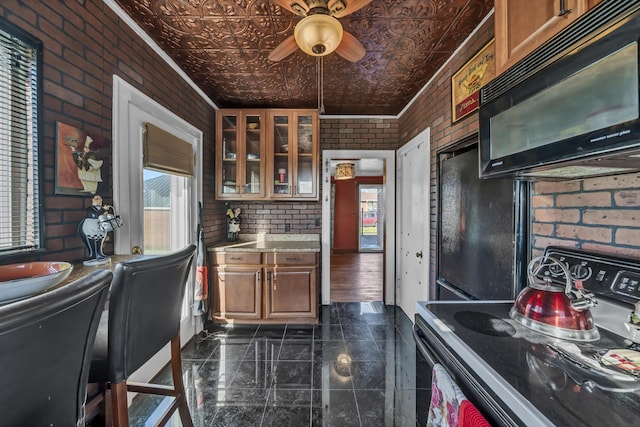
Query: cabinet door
{"points": [[291, 292], [237, 292], [306, 156], [227, 155], [240, 155], [253, 156], [280, 151], [521, 26]]}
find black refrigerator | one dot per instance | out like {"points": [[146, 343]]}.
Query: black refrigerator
{"points": [[482, 231]]}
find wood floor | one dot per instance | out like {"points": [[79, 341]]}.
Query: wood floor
{"points": [[357, 277]]}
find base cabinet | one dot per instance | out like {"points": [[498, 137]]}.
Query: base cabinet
{"points": [[237, 292], [264, 288]]}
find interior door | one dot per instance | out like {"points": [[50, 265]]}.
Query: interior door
{"points": [[412, 211]]}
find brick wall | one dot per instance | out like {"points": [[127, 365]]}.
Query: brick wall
{"points": [[597, 214], [85, 43]]}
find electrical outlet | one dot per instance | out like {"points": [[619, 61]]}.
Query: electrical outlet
{"points": [[317, 222], [287, 227]]}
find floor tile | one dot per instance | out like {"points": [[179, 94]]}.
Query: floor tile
{"points": [[299, 375]]}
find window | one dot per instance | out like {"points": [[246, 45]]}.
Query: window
{"points": [[21, 228]]}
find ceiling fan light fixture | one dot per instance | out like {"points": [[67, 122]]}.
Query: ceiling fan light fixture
{"points": [[345, 171], [318, 34]]}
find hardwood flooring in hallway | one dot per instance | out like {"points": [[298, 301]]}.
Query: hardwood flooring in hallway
{"points": [[357, 277]]}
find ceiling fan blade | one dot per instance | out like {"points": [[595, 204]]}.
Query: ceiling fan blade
{"points": [[340, 8], [284, 49], [299, 7], [350, 48]]}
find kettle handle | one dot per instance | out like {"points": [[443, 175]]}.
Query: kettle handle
{"points": [[580, 299]]}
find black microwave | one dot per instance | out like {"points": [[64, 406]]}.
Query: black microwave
{"points": [[578, 114]]}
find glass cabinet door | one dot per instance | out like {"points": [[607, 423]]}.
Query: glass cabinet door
{"points": [[230, 154], [305, 164], [253, 155], [281, 153]]}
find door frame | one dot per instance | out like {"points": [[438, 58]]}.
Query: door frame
{"points": [[389, 196], [423, 137], [130, 106]]}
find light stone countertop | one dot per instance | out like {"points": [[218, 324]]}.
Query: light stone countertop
{"points": [[270, 243]]}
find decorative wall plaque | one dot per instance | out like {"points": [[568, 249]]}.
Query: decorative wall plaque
{"points": [[467, 81]]}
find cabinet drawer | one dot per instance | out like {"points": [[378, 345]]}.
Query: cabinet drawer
{"points": [[290, 258], [231, 258]]}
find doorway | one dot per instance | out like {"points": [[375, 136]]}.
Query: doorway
{"points": [[371, 218], [387, 271]]}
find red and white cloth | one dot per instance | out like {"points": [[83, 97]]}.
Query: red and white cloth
{"points": [[449, 407]]}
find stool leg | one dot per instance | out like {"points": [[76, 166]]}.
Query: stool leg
{"points": [[119, 404], [176, 370]]}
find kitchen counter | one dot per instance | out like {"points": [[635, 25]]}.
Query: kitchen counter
{"points": [[270, 243]]}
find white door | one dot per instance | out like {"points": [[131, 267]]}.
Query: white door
{"points": [[132, 109], [412, 211]]}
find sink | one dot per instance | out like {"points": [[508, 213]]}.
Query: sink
{"points": [[25, 279]]}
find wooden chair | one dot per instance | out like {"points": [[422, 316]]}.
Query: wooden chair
{"points": [[45, 350], [143, 317]]}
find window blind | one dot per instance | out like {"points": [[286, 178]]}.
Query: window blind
{"points": [[165, 152], [19, 178]]}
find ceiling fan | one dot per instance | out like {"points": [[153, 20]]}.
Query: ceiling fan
{"points": [[319, 32]]}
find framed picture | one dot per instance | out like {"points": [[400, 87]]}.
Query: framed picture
{"points": [[467, 81], [83, 162]]}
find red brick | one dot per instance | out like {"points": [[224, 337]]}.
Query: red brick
{"points": [[556, 187], [629, 218], [599, 199], [557, 215], [627, 198], [596, 234], [628, 236], [545, 201], [612, 182]]}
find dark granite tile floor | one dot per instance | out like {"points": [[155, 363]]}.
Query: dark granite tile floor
{"points": [[357, 367]]}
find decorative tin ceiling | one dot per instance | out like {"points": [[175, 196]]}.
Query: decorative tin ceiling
{"points": [[223, 46]]}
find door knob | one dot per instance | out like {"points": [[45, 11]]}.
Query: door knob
{"points": [[419, 254], [136, 250]]}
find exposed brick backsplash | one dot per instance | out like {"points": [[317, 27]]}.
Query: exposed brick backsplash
{"points": [[597, 214]]}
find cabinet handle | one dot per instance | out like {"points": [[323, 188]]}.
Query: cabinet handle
{"points": [[271, 281], [235, 258], [259, 277], [563, 11], [291, 259]]}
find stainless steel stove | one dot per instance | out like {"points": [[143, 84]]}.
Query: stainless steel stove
{"points": [[518, 376]]}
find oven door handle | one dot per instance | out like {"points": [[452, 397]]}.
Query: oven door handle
{"points": [[420, 337]]}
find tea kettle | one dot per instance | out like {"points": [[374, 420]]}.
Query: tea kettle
{"points": [[561, 312]]}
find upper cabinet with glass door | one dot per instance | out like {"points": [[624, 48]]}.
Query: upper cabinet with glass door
{"points": [[240, 154], [267, 154], [292, 138]]}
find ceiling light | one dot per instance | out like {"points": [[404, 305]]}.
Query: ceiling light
{"points": [[318, 35], [345, 171]]}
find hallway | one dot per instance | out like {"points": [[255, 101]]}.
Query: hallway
{"points": [[357, 277]]}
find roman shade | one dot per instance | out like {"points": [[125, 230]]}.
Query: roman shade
{"points": [[165, 152]]}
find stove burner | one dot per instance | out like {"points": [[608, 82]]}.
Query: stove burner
{"points": [[485, 324]]}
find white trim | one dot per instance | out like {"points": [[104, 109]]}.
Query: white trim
{"points": [[389, 156], [157, 49]]}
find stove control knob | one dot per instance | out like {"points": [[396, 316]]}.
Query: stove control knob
{"points": [[580, 272], [556, 270]]}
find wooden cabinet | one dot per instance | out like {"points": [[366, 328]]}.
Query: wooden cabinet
{"points": [[275, 287], [240, 154], [291, 290], [267, 154], [522, 26], [237, 285], [292, 139]]}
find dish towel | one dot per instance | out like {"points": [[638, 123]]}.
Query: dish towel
{"points": [[470, 416], [446, 398]]}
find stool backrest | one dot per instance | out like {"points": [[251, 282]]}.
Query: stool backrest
{"points": [[145, 309], [45, 351]]}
